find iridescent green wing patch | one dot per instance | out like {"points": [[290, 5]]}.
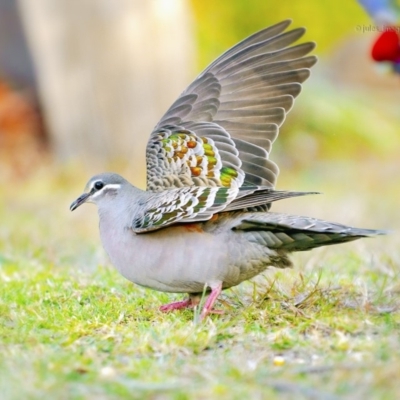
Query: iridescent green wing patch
{"points": [[199, 154], [180, 157]]}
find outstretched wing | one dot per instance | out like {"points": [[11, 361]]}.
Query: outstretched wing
{"points": [[220, 130]]}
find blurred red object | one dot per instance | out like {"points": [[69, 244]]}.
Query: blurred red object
{"points": [[387, 45]]}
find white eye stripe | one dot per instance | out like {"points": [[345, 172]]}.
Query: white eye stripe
{"points": [[112, 186], [98, 193], [109, 185]]}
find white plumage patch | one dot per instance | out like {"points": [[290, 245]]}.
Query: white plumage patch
{"points": [[110, 186]]}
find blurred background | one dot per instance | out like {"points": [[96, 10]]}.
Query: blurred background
{"points": [[83, 83]]}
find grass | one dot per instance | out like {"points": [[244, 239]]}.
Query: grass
{"points": [[72, 327]]}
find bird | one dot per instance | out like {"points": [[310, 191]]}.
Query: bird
{"points": [[204, 223]]}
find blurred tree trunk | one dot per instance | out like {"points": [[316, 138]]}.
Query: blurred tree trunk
{"points": [[107, 70]]}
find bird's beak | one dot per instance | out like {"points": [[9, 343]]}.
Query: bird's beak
{"points": [[80, 200]]}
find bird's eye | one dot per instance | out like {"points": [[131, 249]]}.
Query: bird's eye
{"points": [[98, 185]]}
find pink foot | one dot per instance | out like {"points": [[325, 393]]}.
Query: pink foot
{"points": [[177, 305], [192, 301]]}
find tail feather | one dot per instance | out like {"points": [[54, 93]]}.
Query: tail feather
{"points": [[297, 233]]}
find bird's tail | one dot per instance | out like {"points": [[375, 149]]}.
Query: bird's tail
{"points": [[296, 233]]}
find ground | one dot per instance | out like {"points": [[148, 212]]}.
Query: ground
{"points": [[72, 327]]}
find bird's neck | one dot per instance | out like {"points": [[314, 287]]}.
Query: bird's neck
{"points": [[120, 211]]}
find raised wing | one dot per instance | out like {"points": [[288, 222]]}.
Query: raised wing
{"points": [[220, 130]]}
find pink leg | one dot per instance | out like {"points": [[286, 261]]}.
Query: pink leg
{"points": [[190, 302], [207, 309], [177, 305]]}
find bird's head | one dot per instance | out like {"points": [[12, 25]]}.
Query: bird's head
{"points": [[100, 188]]}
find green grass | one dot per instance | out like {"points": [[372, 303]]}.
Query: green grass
{"points": [[72, 327]]}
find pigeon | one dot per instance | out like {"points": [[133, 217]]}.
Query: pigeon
{"points": [[204, 222]]}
